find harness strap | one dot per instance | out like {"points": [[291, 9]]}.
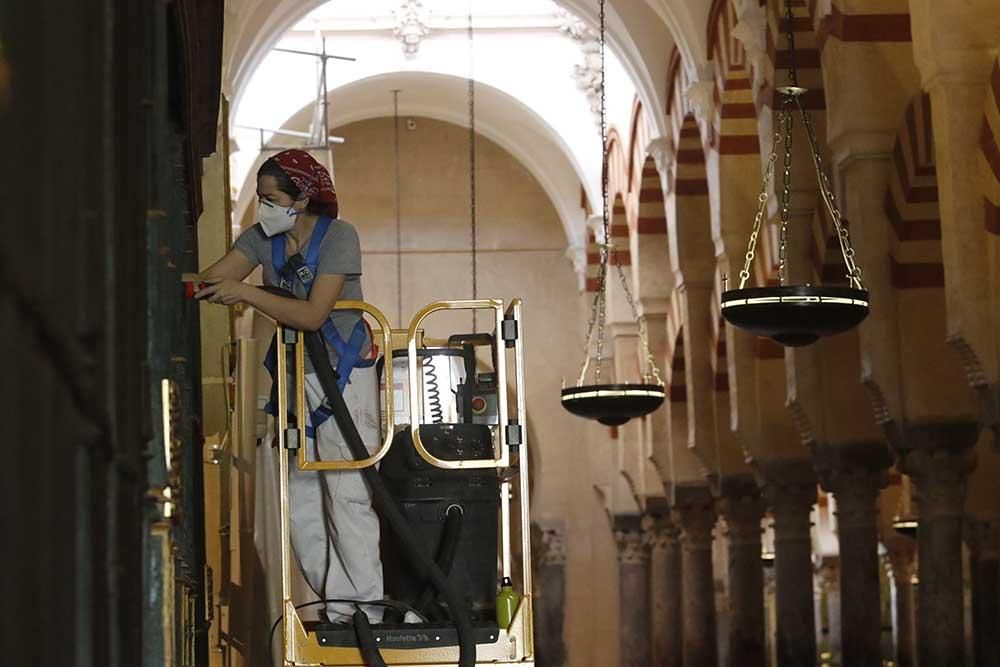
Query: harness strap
{"points": [[349, 352]]}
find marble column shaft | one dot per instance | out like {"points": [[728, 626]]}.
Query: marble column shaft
{"points": [[743, 509], [665, 589], [790, 490], [985, 566], [939, 459], [902, 555], [550, 596], [696, 516], [855, 474], [633, 593]]}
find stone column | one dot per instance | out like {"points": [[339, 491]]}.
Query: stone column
{"points": [[743, 508], [633, 591], [981, 537], [903, 557], [855, 473], [550, 594], [770, 612], [694, 511], [665, 590], [828, 637], [939, 457], [790, 491]]}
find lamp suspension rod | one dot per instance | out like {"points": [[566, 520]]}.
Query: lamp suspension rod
{"points": [[326, 111], [471, 94], [399, 229]]}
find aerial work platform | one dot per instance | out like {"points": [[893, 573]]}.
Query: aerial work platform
{"points": [[503, 634]]}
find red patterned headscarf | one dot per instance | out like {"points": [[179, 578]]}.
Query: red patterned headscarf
{"points": [[310, 177]]}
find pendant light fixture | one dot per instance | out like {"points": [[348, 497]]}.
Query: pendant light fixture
{"points": [[796, 315], [611, 404]]}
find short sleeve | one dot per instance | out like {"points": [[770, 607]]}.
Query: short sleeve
{"points": [[250, 242], [341, 251]]}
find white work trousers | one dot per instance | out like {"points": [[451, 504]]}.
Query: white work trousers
{"points": [[340, 560]]}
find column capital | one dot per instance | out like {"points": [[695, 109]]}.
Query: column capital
{"points": [[854, 473], [939, 456], [661, 149], [787, 481], [694, 512], [662, 533], [741, 502], [631, 539], [552, 545]]}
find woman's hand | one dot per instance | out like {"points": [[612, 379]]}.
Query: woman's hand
{"points": [[225, 291]]}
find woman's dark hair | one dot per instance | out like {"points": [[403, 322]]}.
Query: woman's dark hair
{"points": [[285, 184]]}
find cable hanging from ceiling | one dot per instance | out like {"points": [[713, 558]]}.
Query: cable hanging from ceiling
{"points": [[471, 99], [398, 197], [611, 403]]}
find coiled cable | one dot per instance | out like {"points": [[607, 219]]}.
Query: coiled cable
{"points": [[433, 391]]}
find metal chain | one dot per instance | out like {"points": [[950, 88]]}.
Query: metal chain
{"points": [[651, 366], [598, 311], [785, 118], [596, 307], [600, 333], [605, 213], [399, 228], [761, 202], [472, 163], [794, 96], [793, 76], [843, 237]]}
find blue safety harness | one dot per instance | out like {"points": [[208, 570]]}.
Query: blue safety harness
{"points": [[348, 352]]}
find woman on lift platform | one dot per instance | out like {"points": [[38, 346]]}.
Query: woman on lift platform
{"points": [[306, 250]]}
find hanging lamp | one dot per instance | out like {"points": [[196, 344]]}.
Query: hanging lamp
{"points": [[611, 404], [796, 315]]}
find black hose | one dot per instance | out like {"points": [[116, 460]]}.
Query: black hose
{"points": [[425, 567], [366, 640], [447, 548], [388, 604]]}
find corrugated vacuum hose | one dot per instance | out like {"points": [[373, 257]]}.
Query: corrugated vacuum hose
{"points": [[424, 565]]}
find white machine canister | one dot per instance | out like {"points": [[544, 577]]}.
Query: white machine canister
{"points": [[439, 373]]}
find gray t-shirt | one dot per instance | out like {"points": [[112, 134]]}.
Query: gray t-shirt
{"points": [[339, 254]]}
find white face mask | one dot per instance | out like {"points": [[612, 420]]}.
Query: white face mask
{"points": [[275, 219]]}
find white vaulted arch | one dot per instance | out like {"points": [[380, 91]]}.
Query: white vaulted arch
{"points": [[635, 34], [534, 82], [500, 118]]}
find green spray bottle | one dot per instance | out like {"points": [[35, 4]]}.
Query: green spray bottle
{"points": [[507, 601]]}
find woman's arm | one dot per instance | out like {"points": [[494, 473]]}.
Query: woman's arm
{"points": [[307, 315], [233, 265]]}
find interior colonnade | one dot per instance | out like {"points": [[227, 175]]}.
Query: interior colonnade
{"points": [[821, 458]]}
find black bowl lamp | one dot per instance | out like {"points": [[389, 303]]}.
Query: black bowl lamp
{"points": [[796, 315], [615, 403]]}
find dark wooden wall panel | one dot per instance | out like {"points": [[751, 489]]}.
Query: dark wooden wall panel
{"points": [[82, 325]]}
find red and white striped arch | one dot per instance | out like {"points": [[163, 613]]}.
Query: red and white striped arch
{"points": [[807, 55], [911, 202], [638, 219], [675, 352], [989, 148], [736, 119]]}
